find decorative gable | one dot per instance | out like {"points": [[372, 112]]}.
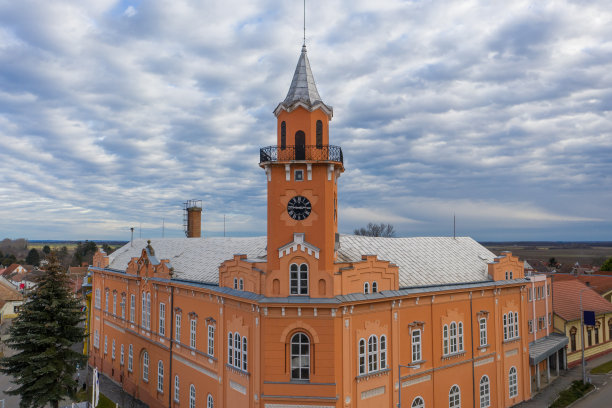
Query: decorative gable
{"points": [[298, 244]]}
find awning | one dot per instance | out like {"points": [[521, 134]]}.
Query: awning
{"points": [[545, 347]]}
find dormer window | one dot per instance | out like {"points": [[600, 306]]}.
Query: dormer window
{"points": [[366, 288]]}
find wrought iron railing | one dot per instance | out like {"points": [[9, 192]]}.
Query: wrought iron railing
{"points": [[312, 153]]}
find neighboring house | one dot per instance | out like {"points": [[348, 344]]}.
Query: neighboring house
{"points": [[566, 308], [600, 284], [22, 281], [10, 300], [77, 276], [13, 269], [578, 270]]}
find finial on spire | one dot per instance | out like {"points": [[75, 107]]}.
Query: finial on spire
{"points": [[304, 44]]}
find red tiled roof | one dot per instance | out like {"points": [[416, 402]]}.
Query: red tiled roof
{"points": [[601, 284], [10, 269], [566, 300]]}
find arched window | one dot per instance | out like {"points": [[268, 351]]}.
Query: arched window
{"points": [[460, 335], [454, 397], [130, 357], [176, 388], [510, 325], [445, 340], [209, 402], [418, 403], [237, 351], [300, 357], [230, 348], [244, 353], [416, 345], [485, 399], [283, 142], [300, 145], [366, 288], [383, 352], [160, 376], [241, 284], [235, 283], [505, 319], [516, 324], [362, 356], [298, 278], [453, 337], [192, 333], [149, 310], [192, 397], [145, 366], [374, 287], [372, 354], [319, 134], [512, 382]]}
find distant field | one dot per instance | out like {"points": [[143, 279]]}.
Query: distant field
{"points": [[71, 245], [563, 252]]}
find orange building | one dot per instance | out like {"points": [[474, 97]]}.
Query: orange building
{"points": [[304, 316]]}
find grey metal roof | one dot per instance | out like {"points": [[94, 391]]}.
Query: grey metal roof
{"points": [[194, 259], [541, 349], [423, 261], [303, 87]]}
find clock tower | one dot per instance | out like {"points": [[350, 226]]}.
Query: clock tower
{"points": [[302, 171]]}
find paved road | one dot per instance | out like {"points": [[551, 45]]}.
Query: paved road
{"points": [[602, 397]]}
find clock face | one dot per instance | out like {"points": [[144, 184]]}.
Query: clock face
{"points": [[299, 208]]}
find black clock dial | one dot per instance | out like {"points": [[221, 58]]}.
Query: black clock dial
{"points": [[299, 208]]}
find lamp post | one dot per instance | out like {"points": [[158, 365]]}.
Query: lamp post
{"points": [[399, 381]]}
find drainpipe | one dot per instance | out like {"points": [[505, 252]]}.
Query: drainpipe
{"points": [[472, 345], [546, 302], [533, 302], [171, 380]]}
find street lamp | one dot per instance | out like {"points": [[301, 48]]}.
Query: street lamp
{"points": [[399, 381]]}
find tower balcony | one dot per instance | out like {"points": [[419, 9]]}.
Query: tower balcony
{"points": [[313, 153]]}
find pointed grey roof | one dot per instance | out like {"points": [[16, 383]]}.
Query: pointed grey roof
{"points": [[303, 90]]}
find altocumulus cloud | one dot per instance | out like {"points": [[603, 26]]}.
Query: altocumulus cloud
{"points": [[112, 113]]}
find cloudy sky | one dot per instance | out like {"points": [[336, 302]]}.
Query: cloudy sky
{"points": [[113, 113]]}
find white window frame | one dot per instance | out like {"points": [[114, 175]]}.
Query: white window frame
{"points": [[106, 300], [145, 366], [361, 363], [453, 338], [130, 358], [505, 324], [372, 353], [122, 355], [445, 340], [366, 288], [96, 339], [192, 333], [485, 392], [230, 348], [176, 388], [513, 382], [211, 339], [98, 301], [383, 352], [160, 376], [298, 284], [105, 344], [143, 311], [177, 327], [516, 326], [132, 308], [210, 403], [454, 397], [245, 365], [418, 402], [149, 310], [114, 303], [416, 345], [374, 287], [123, 300], [482, 325], [237, 350], [162, 319], [510, 325], [298, 360], [460, 335], [113, 349], [192, 396], [236, 283], [530, 324], [241, 284]]}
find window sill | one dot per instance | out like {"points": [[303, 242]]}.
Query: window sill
{"points": [[484, 347], [373, 374], [238, 370], [512, 340], [453, 355]]}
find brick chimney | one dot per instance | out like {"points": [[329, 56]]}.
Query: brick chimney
{"points": [[194, 219]]}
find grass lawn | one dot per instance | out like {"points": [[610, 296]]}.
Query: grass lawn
{"points": [[575, 391], [104, 402], [602, 369]]}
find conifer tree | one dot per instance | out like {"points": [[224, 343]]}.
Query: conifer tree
{"points": [[44, 367]]}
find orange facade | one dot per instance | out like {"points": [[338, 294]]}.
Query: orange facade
{"points": [[302, 327]]}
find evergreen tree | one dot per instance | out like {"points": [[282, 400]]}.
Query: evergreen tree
{"points": [[33, 257], [607, 266], [46, 249], [49, 323]]}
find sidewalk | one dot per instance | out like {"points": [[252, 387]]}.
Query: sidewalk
{"points": [[115, 393], [549, 394]]}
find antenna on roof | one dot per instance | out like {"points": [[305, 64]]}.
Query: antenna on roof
{"points": [[304, 23], [163, 227], [223, 225], [132, 238]]}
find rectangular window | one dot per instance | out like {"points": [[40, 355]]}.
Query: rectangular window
{"points": [[547, 290], [211, 340], [123, 306], [530, 324], [193, 333], [114, 303], [483, 331], [416, 345], [453, 337], [530, 293], [130, 357], [299, 175], [121, 357], [132, 308], [113, 350], [106, 300], [244, 354], [105, 344], [460, 335], [383, 352], [98, 300], [96, 339], [230, 348], [505, 327], [549, 319], [361, 356], [162, 319], [177, 328], [143, 311], [445, 340]]}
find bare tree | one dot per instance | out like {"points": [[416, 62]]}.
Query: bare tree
{"points": [[376, 230]]}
